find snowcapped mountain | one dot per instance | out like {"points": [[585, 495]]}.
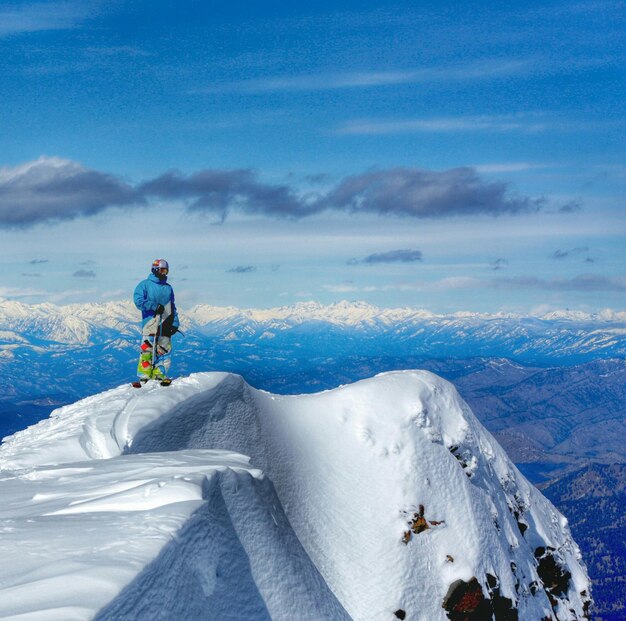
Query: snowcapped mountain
{"points": [[75, 324], [359, 313], [564, 336], [212, 500], [559, 335]]}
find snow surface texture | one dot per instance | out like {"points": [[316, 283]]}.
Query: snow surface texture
{"points": [[209, 499]]}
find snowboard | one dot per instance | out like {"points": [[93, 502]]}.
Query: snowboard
{"points": [[163, 382]]}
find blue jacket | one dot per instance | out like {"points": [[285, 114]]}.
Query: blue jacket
{"points": [[151, 292]]}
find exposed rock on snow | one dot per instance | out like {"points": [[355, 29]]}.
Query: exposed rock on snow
{"points": [[379, 499]]}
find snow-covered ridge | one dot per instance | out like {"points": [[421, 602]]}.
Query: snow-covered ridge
{"points": [[356, 313], [381, 498], [73, 323]]}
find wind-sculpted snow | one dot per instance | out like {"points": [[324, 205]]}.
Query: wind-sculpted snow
{"points": [[88, 531], [381, 498]]}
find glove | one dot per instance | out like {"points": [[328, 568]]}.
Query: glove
{"points": [[174, 331], [159, 309]]}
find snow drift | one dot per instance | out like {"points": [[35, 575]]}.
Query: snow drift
{"points": [[209, 499]]}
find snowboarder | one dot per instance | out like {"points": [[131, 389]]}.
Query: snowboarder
{"points": [[154, 297]]}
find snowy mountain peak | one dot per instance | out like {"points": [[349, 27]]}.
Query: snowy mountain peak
{"points": [[381, 498], [403, 331]]}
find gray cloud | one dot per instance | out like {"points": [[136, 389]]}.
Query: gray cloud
{"points": [[583, 282], [38, 261], [317, 178], [218, 191], [570, 207], [499, 263], [84, 274], [562, 254], [393, 256], [31, 275], [52, 189], [411, 192], [423, 193], [242, 269]]}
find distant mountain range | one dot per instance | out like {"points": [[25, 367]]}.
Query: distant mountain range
{"points": [[564, 336], [593, 498]]}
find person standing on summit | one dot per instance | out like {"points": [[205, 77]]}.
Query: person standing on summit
{"points": [[154, 297]]}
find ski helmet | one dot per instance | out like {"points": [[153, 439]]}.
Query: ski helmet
{"points": [[159, 264]]}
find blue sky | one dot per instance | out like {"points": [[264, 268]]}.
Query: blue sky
{"points": [[451, 156]]}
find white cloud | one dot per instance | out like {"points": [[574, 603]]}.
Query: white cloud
{"points": [[496, 123], [452, 282], [41, 16], [508, 167], [582, 283], [18, 293], [349, 288], [476, 70]]}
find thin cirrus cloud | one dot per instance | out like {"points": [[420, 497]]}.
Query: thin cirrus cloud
{"points": [[583, 283], [42, 16], [497, 123], [392, 256], [117, 50], [319, 82], [509, 167], [476, 70], [53, 189]]}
